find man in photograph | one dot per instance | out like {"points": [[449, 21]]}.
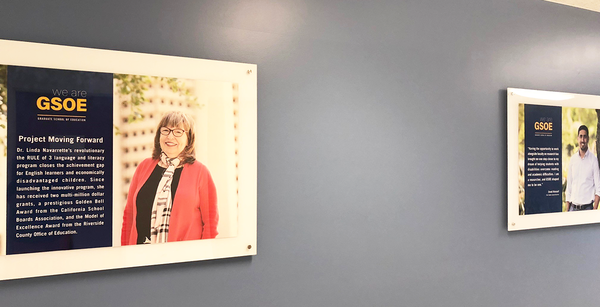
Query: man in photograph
{"points": [[583, 177]]}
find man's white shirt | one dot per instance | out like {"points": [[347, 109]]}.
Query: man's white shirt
{"points": [[583, 179]]}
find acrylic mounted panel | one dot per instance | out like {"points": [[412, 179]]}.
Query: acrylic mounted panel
{"points": [[553, 145], [86, 140]]}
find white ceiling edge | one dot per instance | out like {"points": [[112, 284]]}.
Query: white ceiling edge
{"points": [[592, 5]]}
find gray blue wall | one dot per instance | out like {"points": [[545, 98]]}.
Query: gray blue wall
{"points": [[381, 149]]}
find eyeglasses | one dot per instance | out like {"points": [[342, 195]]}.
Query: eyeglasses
{"points": [[176, 132]]}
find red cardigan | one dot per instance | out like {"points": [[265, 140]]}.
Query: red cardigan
{"points": [[194, 215]]}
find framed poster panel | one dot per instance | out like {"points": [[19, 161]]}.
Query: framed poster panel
{"points": [[115, 159], [553, 150]]}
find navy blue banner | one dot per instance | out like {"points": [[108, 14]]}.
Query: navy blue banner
{"points": [[59, 193], [543, 165]]}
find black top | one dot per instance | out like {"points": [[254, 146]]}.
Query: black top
{"points": [[145, 199]]}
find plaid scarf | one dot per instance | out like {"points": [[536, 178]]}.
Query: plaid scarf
{"points": [[161, 208]]}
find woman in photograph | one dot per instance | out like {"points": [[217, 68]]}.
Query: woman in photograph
{"points": [[172, 196]]}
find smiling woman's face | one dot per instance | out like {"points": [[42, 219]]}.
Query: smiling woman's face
{"points": [[170, 143]]}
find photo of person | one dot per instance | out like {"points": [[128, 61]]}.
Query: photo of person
{"points": [[580, 167], [583, 177], [176, 157], [3, 108], [172, 196], [3, 149]]}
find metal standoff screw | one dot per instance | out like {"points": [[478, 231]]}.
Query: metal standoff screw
{"points": [[249, 246], [513, 223], [249, 71]]}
